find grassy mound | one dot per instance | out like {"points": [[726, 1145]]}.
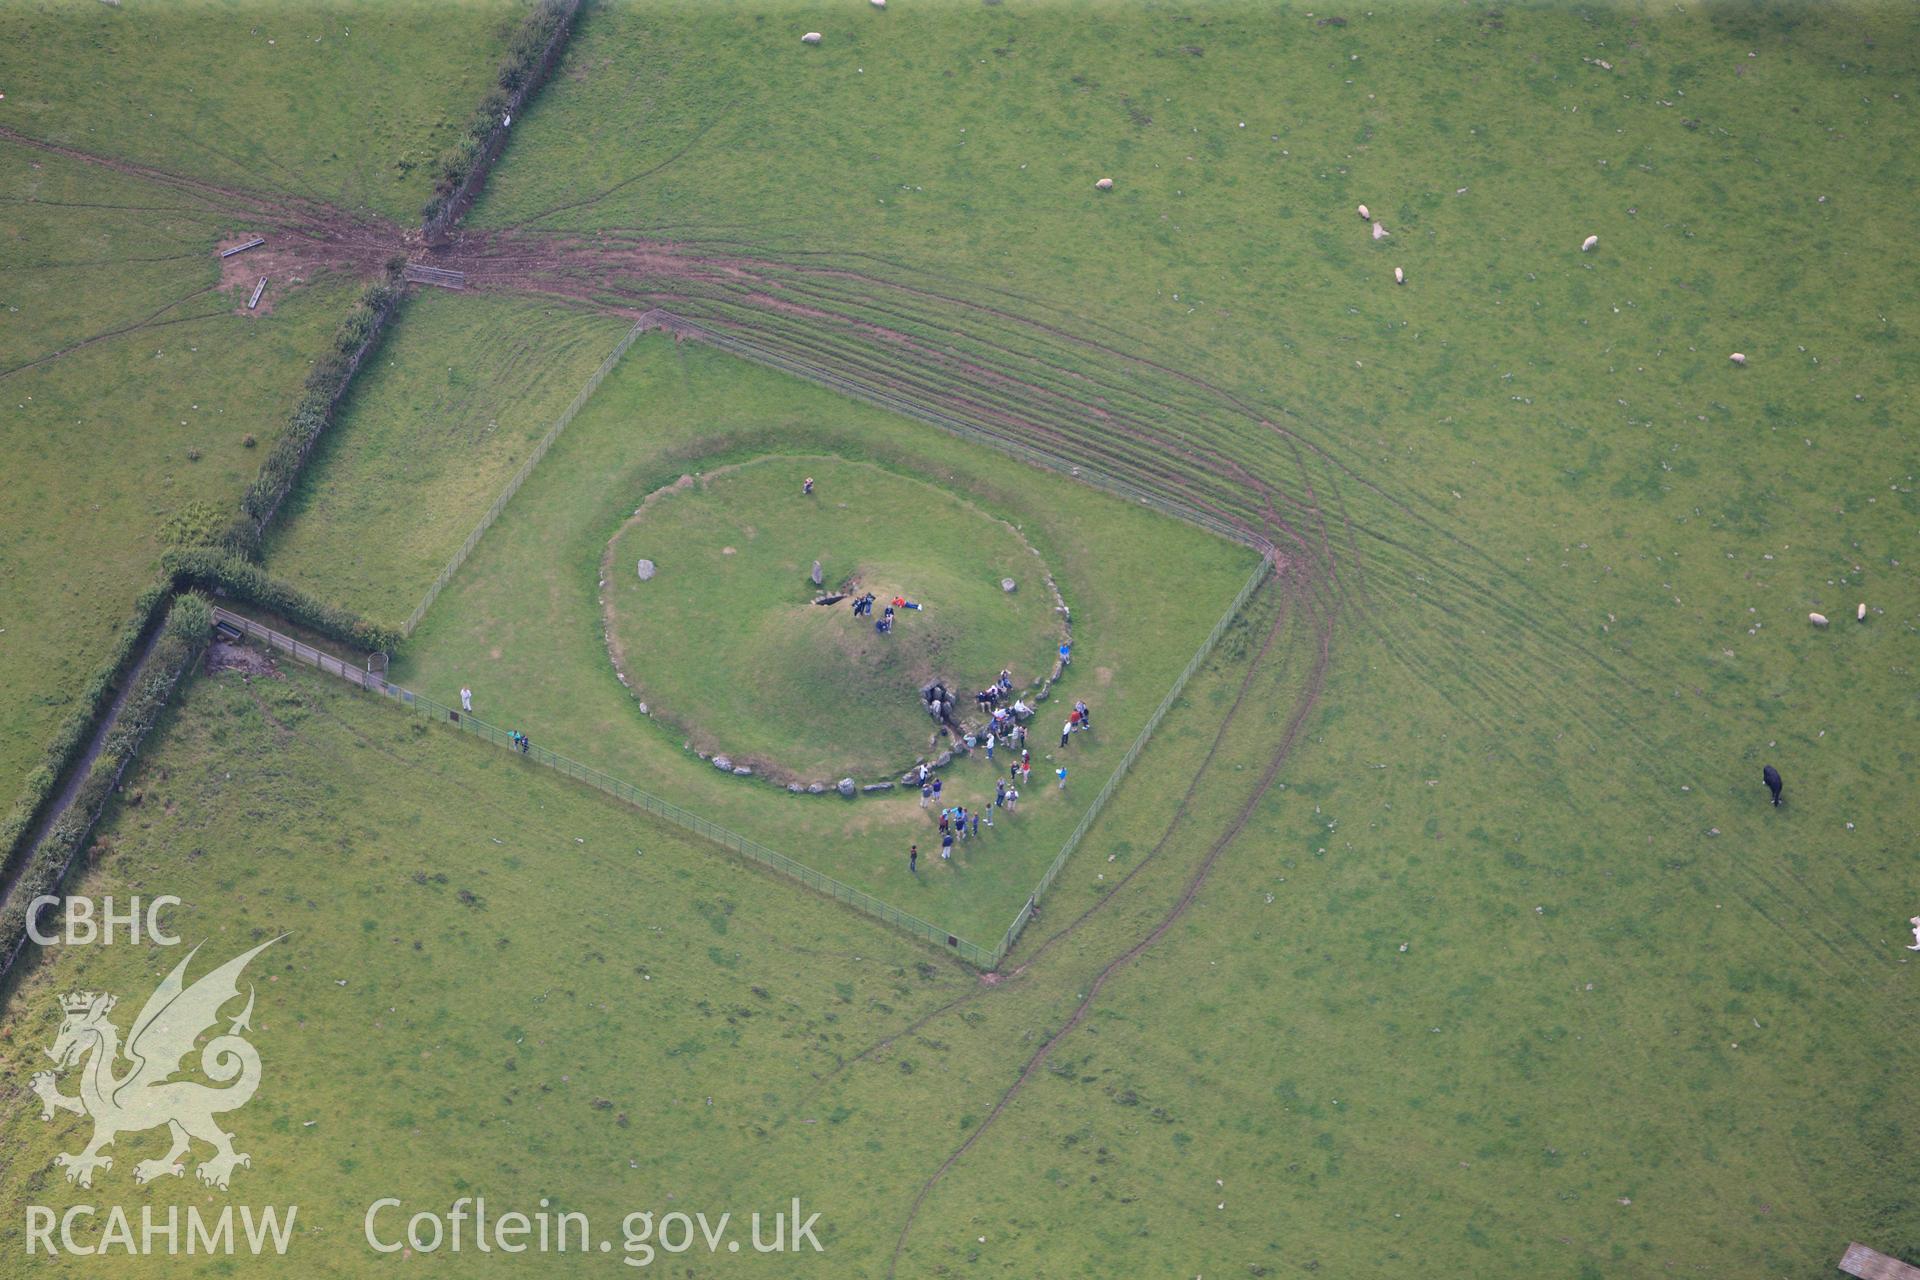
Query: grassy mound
{"points": [[726, 642]]}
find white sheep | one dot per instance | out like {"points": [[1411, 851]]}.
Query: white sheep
{"points": [[1738, 357], [879, 4], [1817, 619], [1915, 922], [1380, 232], [1588, 244], [1362, 211], [1860, 614], [812, 37], [1105, 184], [1399, 276]]}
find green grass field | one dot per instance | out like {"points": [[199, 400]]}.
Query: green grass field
{"points": [[130, 387], [464, 387], [1143, 590], [1443, 926], [831, 694], [347, 103]]}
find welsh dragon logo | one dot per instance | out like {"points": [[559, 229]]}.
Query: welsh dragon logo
{"points": [[145, 1095]]}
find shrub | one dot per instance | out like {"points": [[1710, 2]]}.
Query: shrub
{"points": [[356, 337], [212, 570], [546, 24], [174, 651]]}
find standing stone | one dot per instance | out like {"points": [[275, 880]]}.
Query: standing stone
{"points": [[646, 570], [818, 577], [846, 787]]}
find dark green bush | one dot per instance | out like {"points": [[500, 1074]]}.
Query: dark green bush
{"points": [[222, 573], [546, 22], [179, 643]]}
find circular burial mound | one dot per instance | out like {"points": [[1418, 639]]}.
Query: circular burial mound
{"points": [[729, 640]]}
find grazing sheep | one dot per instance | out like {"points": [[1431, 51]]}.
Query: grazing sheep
{"points": [[1817, 619], [1861, 612], [879, 4], [1362, 211], [1399, 276], [1105, 184], [1589, 243], [1738, 357], [1915, 922], [812, 37], [1380, 232]]}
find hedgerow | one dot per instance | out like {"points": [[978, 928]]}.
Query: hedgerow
{"points": [[220, 573]]}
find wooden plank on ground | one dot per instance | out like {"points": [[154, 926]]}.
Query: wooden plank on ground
{"points": [[1869, 1264]]}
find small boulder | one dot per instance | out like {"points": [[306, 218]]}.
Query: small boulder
{"points": [[646, 570], [812, 37], [1105, 184], [816, 788], [943, 760], [794, 788], [1007, 585], [845, 787], [741, 771], [723, 764], [877, 786]]}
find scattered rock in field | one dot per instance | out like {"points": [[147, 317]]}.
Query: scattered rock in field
{"points": [[1588, 244], [1105, 184], [723, 764], [1007, 585], [845, 787], [647, 570], [812, 37], [818, 577]]}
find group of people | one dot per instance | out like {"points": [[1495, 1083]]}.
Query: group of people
{"points": [[959, 822], [863, 608]]}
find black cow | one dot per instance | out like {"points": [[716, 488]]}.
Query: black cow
{"points": [[1772, 776]]}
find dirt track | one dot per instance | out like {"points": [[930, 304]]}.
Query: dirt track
{"points": [[1022, 376]]}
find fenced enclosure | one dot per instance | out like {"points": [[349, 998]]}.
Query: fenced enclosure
{"points": [[983, 957]]}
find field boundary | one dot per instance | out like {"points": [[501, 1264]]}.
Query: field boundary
{"points": [[1120, 770], [684, 328], [772, 859], [439, 584]]}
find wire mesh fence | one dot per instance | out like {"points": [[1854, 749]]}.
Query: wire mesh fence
{"points": [[1133, 753], [560, 424], [429, 709], [625, 791]]}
